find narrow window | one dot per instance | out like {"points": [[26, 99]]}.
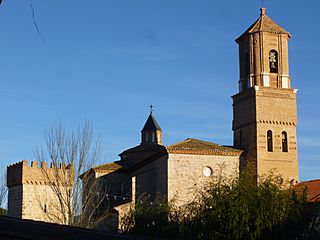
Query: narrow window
{"points": [[45, 208], [284, 142], [273, 61], [153, 137], [269, 141], [147, 137], [247, 65]]}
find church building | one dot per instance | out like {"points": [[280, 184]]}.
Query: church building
{"points": [[173, 171], [264, 126]]}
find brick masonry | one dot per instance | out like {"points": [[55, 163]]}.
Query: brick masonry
{"points": [[266, 101]]}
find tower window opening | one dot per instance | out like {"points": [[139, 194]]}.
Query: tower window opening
{"points": [[247, 70], [247, 65], [45, 208], [269, 141], [284, 142], [273, 61], [153, 137], [147, 137]]}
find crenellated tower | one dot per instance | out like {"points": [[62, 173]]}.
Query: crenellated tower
{"points": [[30, 195], [264, 110]]}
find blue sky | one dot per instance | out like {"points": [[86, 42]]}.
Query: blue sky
{"points": [[107, 60]]}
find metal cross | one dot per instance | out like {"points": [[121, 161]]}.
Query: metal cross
{"points": [[262, 2], [151, 108]]}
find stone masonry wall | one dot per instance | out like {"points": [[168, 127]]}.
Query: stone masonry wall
{"points": [[40, 203], [15, 201], [179, 176], [151, 179], [185, 173], [30, 193]]}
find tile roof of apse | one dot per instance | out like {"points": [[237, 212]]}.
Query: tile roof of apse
{"points": [[264, 24], [151, 124], [195, 146]]}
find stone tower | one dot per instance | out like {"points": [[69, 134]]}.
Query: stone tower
{"points": [[30, 195], [264, 110]]}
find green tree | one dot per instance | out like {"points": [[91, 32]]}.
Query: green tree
{"points": [[239, 208], [243, 209]]}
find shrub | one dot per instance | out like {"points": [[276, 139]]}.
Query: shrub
{"points": [[239, 208]]}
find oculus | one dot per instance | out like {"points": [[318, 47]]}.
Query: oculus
{"points": [[207, 171]]}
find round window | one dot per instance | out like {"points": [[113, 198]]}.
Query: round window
{"points": [[207, 171]]}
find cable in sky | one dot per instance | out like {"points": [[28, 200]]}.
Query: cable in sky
{"points": [[34, 22]]}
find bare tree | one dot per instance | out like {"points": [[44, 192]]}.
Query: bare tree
{"points": [[3, 189], [71, 155]]}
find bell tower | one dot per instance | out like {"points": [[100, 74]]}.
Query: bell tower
{"points": [[264, 110]]}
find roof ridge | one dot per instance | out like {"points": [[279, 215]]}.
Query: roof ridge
{"points": [[269, 18], [207, 142], [262, 25], [195, 139], [104, 164], [183, 141], [199, 140], [200, 146], [114, 164], [262, 20]]}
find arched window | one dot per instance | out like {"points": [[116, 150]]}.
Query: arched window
{"points": [[273, 61], [284, 142], [269, 141]]}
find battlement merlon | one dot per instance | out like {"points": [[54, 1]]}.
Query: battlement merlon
{"points": [[21, 173]]}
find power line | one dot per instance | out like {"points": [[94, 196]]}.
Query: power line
{"points": [[34, 22]]}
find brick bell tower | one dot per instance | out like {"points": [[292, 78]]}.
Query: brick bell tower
{"points": [[264, 110]]}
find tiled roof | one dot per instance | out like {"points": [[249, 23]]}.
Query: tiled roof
{"points": [[112, 166], [104, 168], [313, 189], [265, 24], [151, 124], [139, 152], [195, 146]]}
